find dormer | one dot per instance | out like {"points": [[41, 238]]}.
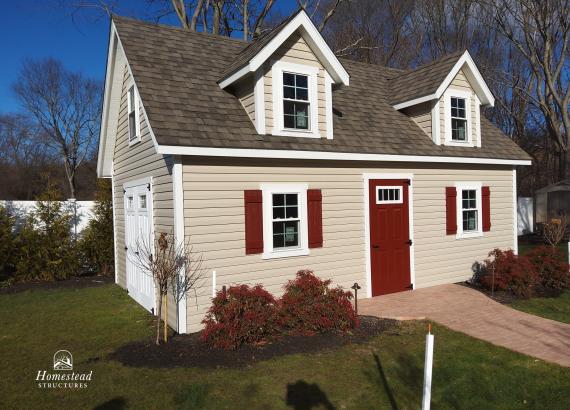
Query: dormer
{"points": [[445, 98], [285, 79]]}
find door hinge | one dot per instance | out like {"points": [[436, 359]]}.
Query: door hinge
{"points": [[124, 191], [409, 181], [410, 242], [411, 286], [126, 248], [148, 186]]}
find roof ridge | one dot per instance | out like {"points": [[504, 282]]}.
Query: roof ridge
{"points": [[430, 64], [115, 17]]}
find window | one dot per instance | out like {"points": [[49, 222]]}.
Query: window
{"points": [[458, 119], [469, 214], [133, 113], [142, 201], [295, 101], [389, 195], [469, 210], [130, 202], [284, 220]]}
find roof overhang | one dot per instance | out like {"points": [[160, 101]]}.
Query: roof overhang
{"points": [[315, 40], [474, 77], [332, 156]]}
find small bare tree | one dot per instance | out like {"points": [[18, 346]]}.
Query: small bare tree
{"points": [[171, 265], [555, 229]]}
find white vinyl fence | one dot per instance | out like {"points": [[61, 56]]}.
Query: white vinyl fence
{"points": [[82, 211], [525, 220]]}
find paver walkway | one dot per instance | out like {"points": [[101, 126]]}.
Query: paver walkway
{"points": [[469, 311]]}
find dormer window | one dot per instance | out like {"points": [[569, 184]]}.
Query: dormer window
{"points": [[295, 101], [458, 119]]}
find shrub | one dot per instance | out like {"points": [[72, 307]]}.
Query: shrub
{"points": [[506, 271], [96, 242], [310, 306], [551, 267], [46, 250], [241, 315], [7, 243]]}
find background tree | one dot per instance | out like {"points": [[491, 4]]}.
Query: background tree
{"points": [[67, 107]]}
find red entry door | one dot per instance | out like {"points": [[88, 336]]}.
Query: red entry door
{"points": [[389, 236]]}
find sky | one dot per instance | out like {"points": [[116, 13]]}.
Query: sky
{"points": [[34, 29]]}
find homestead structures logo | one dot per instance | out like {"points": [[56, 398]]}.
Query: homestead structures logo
{"points": [[64, 377]]}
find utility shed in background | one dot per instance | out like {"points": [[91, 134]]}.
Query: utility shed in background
{"points": [[552, 201]]}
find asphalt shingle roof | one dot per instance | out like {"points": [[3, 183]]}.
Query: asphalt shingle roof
{"points": [[176, 72]]}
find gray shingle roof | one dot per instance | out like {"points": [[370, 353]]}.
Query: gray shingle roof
{"points": [[422, 81], [176, 72]]}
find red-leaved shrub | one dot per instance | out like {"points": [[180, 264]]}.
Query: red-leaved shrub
{"points": [[309, 306], [504, 270], [241, 315], [551, 267]]}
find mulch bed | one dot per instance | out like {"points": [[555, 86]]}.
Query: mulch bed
{"points": [[78, 282], [506, 298], [189, 351]]}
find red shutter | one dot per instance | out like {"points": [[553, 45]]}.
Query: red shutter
{"points": [[451, 210], [253, 221], [486, 205], [315, 217]]}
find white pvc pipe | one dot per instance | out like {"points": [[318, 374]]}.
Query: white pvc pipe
{"points": [[214, 284], [426, 400]]}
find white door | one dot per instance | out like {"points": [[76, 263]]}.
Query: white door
{"points": [[138, 234]]}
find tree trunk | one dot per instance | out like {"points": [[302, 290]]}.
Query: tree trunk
{"points": [[158, 317]]}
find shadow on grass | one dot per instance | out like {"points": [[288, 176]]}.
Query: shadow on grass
{"points": [[117, 403], [192, 396], [304, 396], [385, 383]]}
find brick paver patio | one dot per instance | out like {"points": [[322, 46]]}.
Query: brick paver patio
{"points": [[471, 312]]}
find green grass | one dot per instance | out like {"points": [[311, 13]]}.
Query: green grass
{"points": [[555, 308], [525, 247], [387, 372]]}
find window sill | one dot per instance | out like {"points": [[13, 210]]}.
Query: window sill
{"points": [[460, 144], [285, 253], [467, 235], [296, 133], [134, 141]]}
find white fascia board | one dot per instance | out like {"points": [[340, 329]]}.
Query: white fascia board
{"points": [[415, 101], [104, 167], [316, 43], [321, 155], [479, 84]]}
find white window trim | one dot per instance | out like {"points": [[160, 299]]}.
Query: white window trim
{"points": [[397, 187], [460, 186], [267, 191], [277, 70], [453, 93], [137, 138]]}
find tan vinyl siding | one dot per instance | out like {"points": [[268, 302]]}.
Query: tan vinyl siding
{"points": [[131, 163], [244, 91], [460, 82], [295, 50], [214, 221], [421, 114]]}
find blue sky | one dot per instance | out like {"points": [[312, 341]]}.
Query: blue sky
{"points": [[39, 29]]}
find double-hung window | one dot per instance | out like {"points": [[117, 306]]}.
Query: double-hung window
{"points": [[469, 209], [296, 101], [133, 114], [458, 119], [285, 229]]}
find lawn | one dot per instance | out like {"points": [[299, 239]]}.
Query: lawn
{"points": [[555, 308], [386, 372]]}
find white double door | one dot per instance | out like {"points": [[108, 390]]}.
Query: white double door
{"points": [[138, 237]]}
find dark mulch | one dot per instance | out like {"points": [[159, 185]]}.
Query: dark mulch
{"points": [[78, 282], [189, 351], [506, 298]]}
